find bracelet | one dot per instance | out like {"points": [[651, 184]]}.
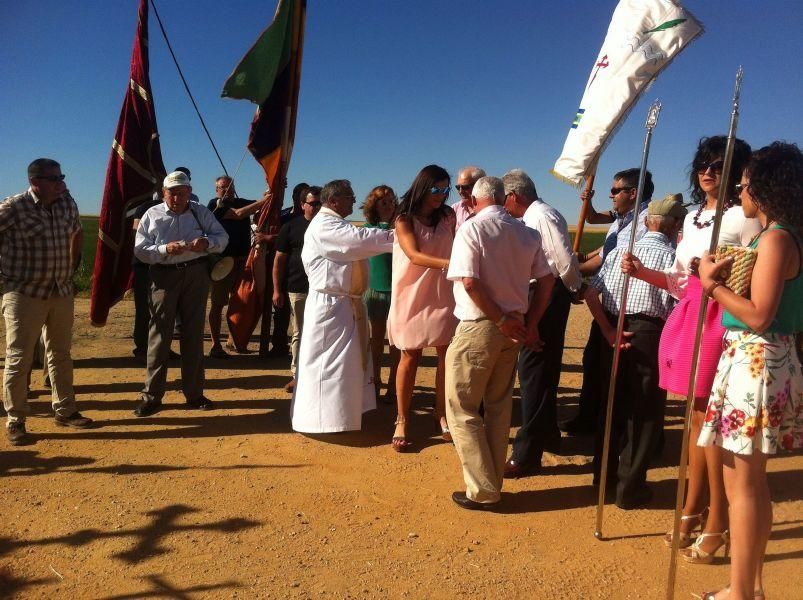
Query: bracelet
{"points": [[709, 291]]}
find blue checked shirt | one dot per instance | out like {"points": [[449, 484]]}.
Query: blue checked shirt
{"points": [[655, 252], [618, 235]]}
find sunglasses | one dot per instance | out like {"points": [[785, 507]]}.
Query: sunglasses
{"points": [[615, 190], [740, 187], [463, 188], [715, 166], [313, 204], [51, 178], [436, 190]]}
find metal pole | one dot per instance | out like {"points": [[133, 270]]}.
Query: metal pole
{"points": [[712, 246], [652, 121]]}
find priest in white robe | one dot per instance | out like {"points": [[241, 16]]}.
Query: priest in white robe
{"points": [[335, 374]]}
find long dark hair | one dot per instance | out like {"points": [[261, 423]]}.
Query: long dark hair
{"points": [[426, 179], [711, 148], [776, 183]]}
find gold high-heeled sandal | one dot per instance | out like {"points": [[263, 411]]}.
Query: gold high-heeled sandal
{"points": [[695, 553], [685, 538]]}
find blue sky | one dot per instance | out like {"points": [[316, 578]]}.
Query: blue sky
{"points": [[387, 87]]}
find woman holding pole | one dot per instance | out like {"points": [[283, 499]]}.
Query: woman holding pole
{"points": [[422, 302], [705, 467], [756, 404]]}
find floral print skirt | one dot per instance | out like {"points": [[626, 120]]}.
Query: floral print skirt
{"points": [[756, 402]]}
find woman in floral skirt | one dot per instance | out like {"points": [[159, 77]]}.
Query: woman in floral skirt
{"points": [[756, 403]]}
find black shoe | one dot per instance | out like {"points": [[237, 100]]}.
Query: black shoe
{"points": [[637, 500], [74, 420], [278, 352], [202, 403], [147, 408], [578, 426], [552, 443], [173, 355], [16, 434], [464, 501], [515, 470]]}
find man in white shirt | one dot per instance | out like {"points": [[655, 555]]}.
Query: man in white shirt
{"points": [[466, 179], [539, 372], [493, 259], [335, 374], [174, 238]]}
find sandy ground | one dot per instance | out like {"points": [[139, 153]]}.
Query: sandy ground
{"points": [[231, 503]]}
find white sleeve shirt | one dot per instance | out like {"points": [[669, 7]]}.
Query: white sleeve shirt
{"points": [[554, 231]]}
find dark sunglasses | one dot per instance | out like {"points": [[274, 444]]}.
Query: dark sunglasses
{"points": [[312, 204], [51, 178], [616, 190], [435, 190], [740, 187], [463, 188], [715, 166]]}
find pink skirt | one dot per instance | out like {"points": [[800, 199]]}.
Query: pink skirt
{"points": [[677, 344]]}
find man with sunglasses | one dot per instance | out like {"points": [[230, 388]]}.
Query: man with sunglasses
{"points": [[40, 248], [233, 213], [335, 375], [623, 196], [290, 283], [466, 179]]}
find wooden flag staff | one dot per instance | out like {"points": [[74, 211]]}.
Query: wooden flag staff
{"points": [[652, 121], [724, 186], [578, 234]]}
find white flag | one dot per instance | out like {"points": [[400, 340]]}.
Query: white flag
{"points": [[643, 38]]}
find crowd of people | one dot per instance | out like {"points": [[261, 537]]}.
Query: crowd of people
{"points": [[488, 283]]}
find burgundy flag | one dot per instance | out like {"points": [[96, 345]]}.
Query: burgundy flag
{"points": [[135, 171]]}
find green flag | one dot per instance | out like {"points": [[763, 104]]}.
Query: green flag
{"points": [[254, 77]]}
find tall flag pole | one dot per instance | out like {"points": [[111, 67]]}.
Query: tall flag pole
{"points": [[269, 75], [135, 171], [643, 38]]}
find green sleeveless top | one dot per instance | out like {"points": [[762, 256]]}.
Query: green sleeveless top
{"points": [[789, 318], [380, 266]]}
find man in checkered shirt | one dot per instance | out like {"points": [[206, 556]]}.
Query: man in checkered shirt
{"points": [[40, 246], [639, 403]]}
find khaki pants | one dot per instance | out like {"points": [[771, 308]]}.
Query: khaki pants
{"points": [[480, 368], [25, 316], [297, 302]]}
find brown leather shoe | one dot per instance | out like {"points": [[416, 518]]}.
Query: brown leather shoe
{"points": [[464, 501], [515, 470], [76, 420], [16, 434]]}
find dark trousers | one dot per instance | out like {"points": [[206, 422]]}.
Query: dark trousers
{"points": [[638, 411], [177, 292], [142, 314], [539, 375], [281, 316], [591, 395]]}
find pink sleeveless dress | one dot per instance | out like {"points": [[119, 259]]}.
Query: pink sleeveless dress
{"points": [[421, 299]]}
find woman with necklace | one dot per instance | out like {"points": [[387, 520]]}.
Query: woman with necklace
{"points": [[422, 302], [756, 404], [678, 337]]}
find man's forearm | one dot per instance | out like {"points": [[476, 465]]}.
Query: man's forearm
{"points": [[76, 246], [479, 295], [279, 263]]}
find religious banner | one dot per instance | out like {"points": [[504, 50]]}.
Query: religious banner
{"points": [[134, 172], [643, 38], [269, 75]]}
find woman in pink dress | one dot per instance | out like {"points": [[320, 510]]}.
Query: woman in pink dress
{"points": [[422, 303], [677, 339]]}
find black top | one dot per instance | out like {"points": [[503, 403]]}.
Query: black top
{"points": [[291, 241], [139, 212], [287, 215], [239, 230]]}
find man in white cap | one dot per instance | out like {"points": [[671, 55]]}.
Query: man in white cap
{"points": [[174, 238]]}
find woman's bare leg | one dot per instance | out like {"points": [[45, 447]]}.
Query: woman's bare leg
{"points": [[405, 382], [697, 477]]}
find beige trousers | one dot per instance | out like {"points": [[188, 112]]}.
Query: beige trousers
{"points": [[24, 317], [480, 369], [297, 302]]}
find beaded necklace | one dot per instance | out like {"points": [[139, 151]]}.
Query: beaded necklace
{"points": [[709, 222]]}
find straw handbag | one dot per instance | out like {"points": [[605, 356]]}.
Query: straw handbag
{"points": [[744, 259]]}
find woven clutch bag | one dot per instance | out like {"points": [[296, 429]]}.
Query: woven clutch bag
{"points": [[742, 268]]}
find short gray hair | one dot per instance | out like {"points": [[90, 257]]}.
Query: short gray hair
{"points": [[474, 172], [489, 187], [338, 187], [518, 182]]}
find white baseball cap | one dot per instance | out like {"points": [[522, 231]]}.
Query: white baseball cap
{"points": [[176, 179]]}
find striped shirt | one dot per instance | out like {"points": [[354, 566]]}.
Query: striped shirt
{"points": [[35, 245], [655, 252], [618, 235]]}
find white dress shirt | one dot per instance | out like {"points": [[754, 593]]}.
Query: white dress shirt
{"points": [[159, 226], [501, 252], [554, 231]]}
